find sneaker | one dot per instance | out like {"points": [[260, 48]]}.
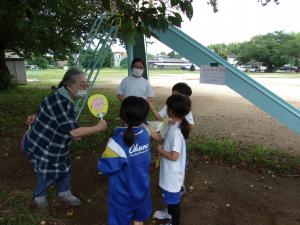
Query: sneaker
{"points": [[41, 202], [162, 215], [70, 199]]}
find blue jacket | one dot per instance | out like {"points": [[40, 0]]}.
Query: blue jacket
{"points": [[127, 168]]}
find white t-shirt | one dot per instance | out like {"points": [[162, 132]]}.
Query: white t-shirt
{"points": [[133, 86], [189, 117], [171, 173]]}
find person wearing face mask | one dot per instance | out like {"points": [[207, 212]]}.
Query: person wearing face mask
{"points": [[135, 85], [51, 133]]}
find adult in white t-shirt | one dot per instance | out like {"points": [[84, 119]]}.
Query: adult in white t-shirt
{"points": [[135, 85]]}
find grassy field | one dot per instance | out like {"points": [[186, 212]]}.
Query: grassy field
{"points": [[50, 77], [55, 75]]}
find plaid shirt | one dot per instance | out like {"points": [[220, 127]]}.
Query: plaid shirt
{"points": [[49, 138]]}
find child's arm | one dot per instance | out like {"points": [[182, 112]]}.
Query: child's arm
{"points": [[191, 126], [112, 160], [120, 97], [155, 113], [154, 135], [169, 155]]}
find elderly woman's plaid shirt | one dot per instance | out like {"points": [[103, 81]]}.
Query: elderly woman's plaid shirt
{"points": [[49, 138]]}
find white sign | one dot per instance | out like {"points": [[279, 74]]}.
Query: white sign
{"points": [[212, 74]]}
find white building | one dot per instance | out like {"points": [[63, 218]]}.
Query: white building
{"points": [[16, 67], [118, 53]]}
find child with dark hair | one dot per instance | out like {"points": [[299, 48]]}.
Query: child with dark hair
{"points": [[126, 160], [173, 154], [185, 90], [182, 89], [135, 84]]}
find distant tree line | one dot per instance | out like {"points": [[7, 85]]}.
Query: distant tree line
{"points": [[87, 61], [273, 49]]}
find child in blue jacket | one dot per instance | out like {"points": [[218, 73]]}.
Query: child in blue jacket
{"points": [[126, 160]]}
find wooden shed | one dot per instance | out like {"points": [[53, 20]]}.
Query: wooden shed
{"points": [[16, 67]]}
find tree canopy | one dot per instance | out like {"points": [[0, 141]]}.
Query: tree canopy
{"points": [[58, 27], [272, 49], [36, 27]]}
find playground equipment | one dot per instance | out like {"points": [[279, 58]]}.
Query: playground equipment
{"points": [[235, 79], [101, 40]]}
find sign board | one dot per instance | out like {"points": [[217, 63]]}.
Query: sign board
{"points": [[212, 74]]}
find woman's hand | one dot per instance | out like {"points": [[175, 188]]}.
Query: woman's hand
{"points": [[30, 120], [102, 125]]}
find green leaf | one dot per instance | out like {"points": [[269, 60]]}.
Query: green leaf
{"points": [[189, 11], [29, 14], [106, 5], [175, 20], [174, 3]]}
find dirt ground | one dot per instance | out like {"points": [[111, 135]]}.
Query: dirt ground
{"points": [[218, 194]]}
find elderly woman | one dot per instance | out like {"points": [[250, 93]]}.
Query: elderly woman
{"points": [[50, 137]]}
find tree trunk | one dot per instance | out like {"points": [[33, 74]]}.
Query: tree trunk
{"points": [[3, 67], [5, 78]]}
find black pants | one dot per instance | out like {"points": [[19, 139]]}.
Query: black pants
{"points": [[174, 211]]}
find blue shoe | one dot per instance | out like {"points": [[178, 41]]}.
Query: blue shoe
{"points": [[41, 202]]}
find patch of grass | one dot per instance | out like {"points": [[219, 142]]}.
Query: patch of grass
{"points": [[50, 77], [98, 140], [17, 104], [15, 209], [252, 157]]}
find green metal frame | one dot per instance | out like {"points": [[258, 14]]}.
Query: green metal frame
{"points": [[105, 41]]}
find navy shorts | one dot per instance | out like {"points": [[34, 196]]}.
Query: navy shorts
{"points": [[121, 215], [171, 198]]}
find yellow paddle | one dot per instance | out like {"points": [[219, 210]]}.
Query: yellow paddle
{"points": [[98, 105]]}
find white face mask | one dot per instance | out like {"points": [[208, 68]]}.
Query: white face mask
{"points": [[137, 72], [81, 93]]}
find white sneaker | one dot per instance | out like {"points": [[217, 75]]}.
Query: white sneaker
{"points": [[68, 198], [41, 202], [162, 215]]}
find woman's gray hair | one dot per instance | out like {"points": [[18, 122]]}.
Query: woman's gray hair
{"points": [[70, 77]]}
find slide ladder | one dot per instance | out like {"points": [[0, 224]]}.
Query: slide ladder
{"points": [[99, 39]]}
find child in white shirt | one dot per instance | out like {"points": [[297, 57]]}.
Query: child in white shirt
{"points": [[173, 153], [182, 89]]}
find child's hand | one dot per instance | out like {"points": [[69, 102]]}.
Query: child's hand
{"points": [[153, 134], [159, 148], [151, 129], [167, 120]]}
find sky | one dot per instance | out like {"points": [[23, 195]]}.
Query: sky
{"points": [[236, 21]]}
